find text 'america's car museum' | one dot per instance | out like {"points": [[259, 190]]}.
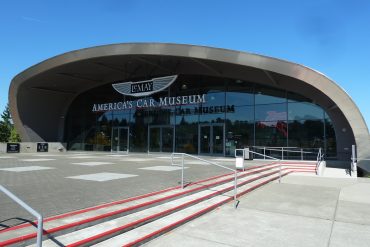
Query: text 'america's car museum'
{"points": [[157, 97]]}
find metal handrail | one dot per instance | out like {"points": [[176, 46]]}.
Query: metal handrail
{"points": [[265, 156], [284, 149], [354, 159], [209, 162], [320, 157], [30, 210]]}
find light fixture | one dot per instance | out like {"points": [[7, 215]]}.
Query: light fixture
{"points": [[184, 87]]}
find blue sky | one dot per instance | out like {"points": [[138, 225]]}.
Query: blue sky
{"points": [[330, 36]]}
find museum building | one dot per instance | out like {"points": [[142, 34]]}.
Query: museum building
{"points": [[156, 97]]}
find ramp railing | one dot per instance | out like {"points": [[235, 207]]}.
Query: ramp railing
{"points": [[30, 210], [287, 152], [319, 159], [354, 159], [246, 151], [208, 162]]}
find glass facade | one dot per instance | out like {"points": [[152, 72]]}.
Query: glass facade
{"points": [[199, 115]]}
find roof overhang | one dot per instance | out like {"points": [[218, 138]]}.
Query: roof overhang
{"points": [[42, 93]]}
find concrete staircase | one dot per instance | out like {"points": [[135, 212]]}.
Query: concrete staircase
{"points": [[137, 220]]}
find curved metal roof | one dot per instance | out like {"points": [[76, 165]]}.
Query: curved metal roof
{"points": [[41, 94]]}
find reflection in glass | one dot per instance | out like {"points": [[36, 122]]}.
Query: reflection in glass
{"points": [[251, 114], [155, 139], [161, 138], [239, 93], [167, 139], [267, 95], [239, 98], [271, 134], [215, 99], [331, 147], [205, 139], [217, 139], [239, 129], [271, 112], [300, 111], [306, 133]]}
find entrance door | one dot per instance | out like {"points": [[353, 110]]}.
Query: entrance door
{"points": [[120, 139], [211, 139], [161, 138]]}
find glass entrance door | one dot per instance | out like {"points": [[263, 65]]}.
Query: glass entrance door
{"points": [[161, 138], [211, 139], [120, 139]]}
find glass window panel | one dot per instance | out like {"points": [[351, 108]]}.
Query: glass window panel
{"points": [[155, 139], [167, 139], [187, 114], [205, 139], [161, 116], [239, 93], [218, 139], [211, 118], [300, 111], [265, 95], [331, 144], [239, 129], [121, 120], [239, 98], [187, 137], [271, 134], [103, 134], [306, 133], [138, 131], [241, 113], [271, 112], [215, 99]]}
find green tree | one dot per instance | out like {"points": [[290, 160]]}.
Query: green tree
{"points": [[4, 132], [7, 131], [14, 136]]}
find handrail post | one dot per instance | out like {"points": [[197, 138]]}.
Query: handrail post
{"points": [[213, 163], [282, 153], [235, 188], [182, 172], [30, 210], [264, 153], [39, 230], [280, 172], [301, 153], [354, 159]]}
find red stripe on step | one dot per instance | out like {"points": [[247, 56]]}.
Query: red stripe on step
{"points": [[122, 201], [190, 217], [161, 214], [56, 229]]}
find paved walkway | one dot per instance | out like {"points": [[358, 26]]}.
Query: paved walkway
{"points": [[301, 211], [56, 183]]}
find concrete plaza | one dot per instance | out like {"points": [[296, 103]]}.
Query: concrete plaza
{"points": [[56, 183], [301, 211]]}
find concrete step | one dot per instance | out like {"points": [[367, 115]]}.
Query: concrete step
{"points": [[153, 229], [109, 229], [54, 226]]}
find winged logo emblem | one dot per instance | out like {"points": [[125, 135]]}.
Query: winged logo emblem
{"points": [[144, 88]]}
